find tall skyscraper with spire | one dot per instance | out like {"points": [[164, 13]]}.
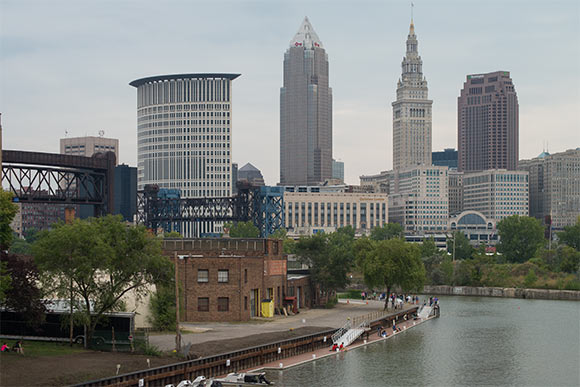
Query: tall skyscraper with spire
{"points": [[305, 111], [412, 111]]}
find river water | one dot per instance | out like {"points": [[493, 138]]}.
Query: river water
{"points": [[476, 341]]}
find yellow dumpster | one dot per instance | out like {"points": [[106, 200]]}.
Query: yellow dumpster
{"points": [[267, 308]]}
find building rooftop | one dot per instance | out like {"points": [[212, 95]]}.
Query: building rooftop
{"points": [[306, 36], [248, 167], [160, 78]]}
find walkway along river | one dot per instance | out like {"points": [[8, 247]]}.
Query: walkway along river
{"points": [[476, 341]]}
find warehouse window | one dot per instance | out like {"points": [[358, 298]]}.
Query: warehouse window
{"points": [[223, 304], [202, 275], [223, 275], [203, 304]]}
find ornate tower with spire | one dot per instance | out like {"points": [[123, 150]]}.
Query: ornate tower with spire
{"points": [[412, 111], [305, 111]]}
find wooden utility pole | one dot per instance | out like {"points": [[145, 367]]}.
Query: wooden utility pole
{"points": [[177, 331]]}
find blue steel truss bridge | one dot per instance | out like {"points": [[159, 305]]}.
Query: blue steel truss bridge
{"points": [[264, 206]]}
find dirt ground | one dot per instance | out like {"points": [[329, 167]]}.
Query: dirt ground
{"points": [[217, 347], [16, 370]]}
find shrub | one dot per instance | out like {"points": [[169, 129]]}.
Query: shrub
{"points": [[163, 309], [149, 349], [530, 278], [332, 301], [351, 293], [572, 285]]}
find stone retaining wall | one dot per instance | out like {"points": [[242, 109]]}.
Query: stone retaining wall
{"points": [[546, 294]]}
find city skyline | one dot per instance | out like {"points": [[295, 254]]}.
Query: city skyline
{"points": [[70, 64]]}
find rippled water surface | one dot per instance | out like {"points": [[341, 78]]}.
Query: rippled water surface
{"points": [[477, 341]]}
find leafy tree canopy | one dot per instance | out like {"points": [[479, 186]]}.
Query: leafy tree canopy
{"points": [[569, 259], [463, 249], [5, 281], [172, 234], [242, 230], [280, 233], [520, 237], [329, 256], [429, 248], [7, 212], [571, 235], [99, 260], [22, 295], [390, 263], [387, 231]]}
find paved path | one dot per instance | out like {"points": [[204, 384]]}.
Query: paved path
{"points": [[333, 318]]}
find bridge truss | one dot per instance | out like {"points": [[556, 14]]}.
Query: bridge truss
{"points": [[261, 205], [35, 177]]}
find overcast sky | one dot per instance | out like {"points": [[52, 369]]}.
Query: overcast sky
{"points": [[65, 65]]}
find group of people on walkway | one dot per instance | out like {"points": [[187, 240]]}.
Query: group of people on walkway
{"points": [[397, 301], [336, 347], [432, 301], [17, 347]]}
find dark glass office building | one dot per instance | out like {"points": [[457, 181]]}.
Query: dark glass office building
{"points": [[445, 158], [125, 191]]}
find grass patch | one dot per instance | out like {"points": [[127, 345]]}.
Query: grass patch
{"points": [[352, 294], [43, 348]]}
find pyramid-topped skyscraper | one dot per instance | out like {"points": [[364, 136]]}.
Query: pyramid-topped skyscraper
{"points": [[305, 111], [412, 111]]}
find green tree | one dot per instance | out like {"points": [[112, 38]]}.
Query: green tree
{"points": [[571, 235], [23, 295], [569, 259], [97, 262], [387, 231], [429, 248], [5, 281], [389, 263], [7, 212], [446, 268], [520, 237], [172, 234], [162, 305], [530, 278], [463, 249], [23, 246], [329, 257], [242, 230], [280, 233], [20, 246]]}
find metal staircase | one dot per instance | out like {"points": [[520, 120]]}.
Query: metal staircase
{"points": [[350, 335], [340, 332], [425, 312]]}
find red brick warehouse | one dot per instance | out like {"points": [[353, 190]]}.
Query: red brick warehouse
{"points": [[225, 279]]}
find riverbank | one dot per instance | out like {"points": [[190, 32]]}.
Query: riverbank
{"points": [[542, 294], [321, 353]]}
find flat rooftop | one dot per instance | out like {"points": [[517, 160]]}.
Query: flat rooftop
{"points": [[161, 78]]}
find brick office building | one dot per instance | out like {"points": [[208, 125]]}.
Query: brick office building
{"points": [[225, 279]]}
